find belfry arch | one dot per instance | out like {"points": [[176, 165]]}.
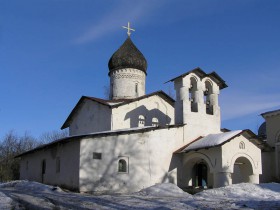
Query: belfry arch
{"points": [[193, 96], [207, 97]]}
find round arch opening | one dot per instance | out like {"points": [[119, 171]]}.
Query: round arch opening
{"points": [[242, 170], [197, 174]]}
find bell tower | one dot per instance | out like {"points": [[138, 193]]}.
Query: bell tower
{"points": [[197, 100], [127, 71]]}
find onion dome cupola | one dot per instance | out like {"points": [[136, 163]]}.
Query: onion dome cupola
{"points": [[127, 71], [128, 56]]}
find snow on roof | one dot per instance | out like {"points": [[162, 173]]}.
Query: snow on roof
{"points": [[211, 140]]}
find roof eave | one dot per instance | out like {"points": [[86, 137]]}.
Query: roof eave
{"points": [[249, 132], [213, 75], [66, 124]]}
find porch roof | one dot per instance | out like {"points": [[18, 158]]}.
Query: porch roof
{"points": [[211, 140]]}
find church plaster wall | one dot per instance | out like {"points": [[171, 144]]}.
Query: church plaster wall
{"points": [[272, 158], [191, 104], [241, 150], [211, 157], [233, 150], [127, 83], [91, 117], [150, 157], [273, 129], [127, 116], [68, 175], [220, 163], [268, 164]]}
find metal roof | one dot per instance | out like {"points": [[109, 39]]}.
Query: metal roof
{"points": [[214, 140], [99, 134], [114, 103], [199, 72], [270, 113]]}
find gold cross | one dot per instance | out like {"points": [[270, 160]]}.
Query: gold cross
{"points": [[128, 29]]}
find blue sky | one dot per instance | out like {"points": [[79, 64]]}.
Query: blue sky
{"points": [[54, 51]]}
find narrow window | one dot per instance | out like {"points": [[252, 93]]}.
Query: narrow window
{"points": [[154, 121], [122, 166], [44, 166], [241, 145], [141, 121], [57, 168], [136, 88], [111, 91]]}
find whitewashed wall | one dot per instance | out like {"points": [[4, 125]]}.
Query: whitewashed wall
{"points": [[127, 116], [149, 155], [69, 165], [127, 83], [268, 164], [91, 117], [273, 129], [221, 161], [273, 139]]}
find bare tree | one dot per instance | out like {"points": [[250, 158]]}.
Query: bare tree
{"points": [[50, 136], [12, 145]]}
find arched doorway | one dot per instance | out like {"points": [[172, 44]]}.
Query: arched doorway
{"points": [[197, 171], [242, 170], [200, 171]]}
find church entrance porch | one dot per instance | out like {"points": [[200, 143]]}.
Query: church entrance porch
{"points": [[242, 171], [196, 172], [207, 164]]}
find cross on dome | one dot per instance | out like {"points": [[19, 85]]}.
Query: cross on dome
{"points": [[128, 29]]}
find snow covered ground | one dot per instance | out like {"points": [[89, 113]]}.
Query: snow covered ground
{"points": [[33, 195]]}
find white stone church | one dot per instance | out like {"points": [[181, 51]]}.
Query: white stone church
{"points": [[135, 140]]}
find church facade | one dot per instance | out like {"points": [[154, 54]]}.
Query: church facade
{"points": [[269, 133], [135, 140]]}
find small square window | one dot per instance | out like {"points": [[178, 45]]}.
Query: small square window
{"points": [[97, 156]]}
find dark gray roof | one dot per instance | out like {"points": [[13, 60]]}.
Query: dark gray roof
{"points": [[99, 134], [267, 114], [199, 72], [127, 56]]}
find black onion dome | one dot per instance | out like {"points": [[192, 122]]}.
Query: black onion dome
{"points": [[127, 56], [262, 131]]}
